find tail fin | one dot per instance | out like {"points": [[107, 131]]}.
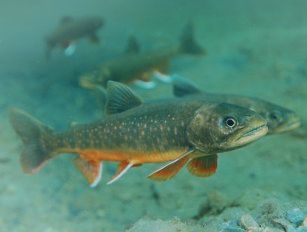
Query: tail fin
{"points": [[188, 44], [36, 138]]}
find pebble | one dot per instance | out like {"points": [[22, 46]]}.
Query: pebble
{"points": [[269, 229], [284, 224], [302, 229], [249, 223], [295, 216], [231, 226]]}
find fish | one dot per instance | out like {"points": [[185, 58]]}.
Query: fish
{"points": [[133, 133], [138, 67], [280, 119], [70, 30]]}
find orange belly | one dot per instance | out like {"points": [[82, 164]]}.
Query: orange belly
{"points": [[136, 157]]}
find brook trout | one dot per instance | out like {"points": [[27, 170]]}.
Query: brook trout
{"points": [[70, 30], [134, 133], [139, 66]]}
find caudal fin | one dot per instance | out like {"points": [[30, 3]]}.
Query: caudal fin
{"points": [[188, 44], [36, 138]]}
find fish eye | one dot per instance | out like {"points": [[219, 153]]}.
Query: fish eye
{"points": [[274, 116], [230, 122]]}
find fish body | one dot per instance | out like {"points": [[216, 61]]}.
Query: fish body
{"points": [[71, 30], [131, 67], [135, 133], [279, 118], [135, 65]]}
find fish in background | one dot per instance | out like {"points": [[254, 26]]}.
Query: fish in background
{"points": [[280, 119], [70, 30], [181, 131], [138, 67]]}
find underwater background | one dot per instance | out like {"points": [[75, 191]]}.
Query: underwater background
{"points": [[254, 48]]}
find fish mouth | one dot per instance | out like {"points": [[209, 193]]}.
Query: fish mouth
{"points": [[252, 135], [87, 82]]}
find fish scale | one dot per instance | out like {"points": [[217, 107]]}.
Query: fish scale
{"points": [[153, 133]]}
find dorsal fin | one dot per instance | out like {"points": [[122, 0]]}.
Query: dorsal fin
{"points": [[182, 87], [188, 44], [120, 98], [133, 46], [66, 19]]}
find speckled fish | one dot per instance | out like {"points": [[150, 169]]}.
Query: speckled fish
{"points": [[280, 119], [138, 67], [134, 133], [71, 30]]}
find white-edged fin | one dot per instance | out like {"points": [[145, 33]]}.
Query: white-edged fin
{"points": [[163, 77], [145, 84], [171, 169], [123, 167], [70, 50], [91, 170], [98, 177]]}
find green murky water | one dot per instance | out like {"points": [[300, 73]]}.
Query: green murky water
{"points": [[254, 48]]}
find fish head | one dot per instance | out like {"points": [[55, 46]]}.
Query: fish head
{"points": [[279, 119], [222, 127]]}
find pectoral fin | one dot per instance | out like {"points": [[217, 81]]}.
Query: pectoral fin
{"points": [[90, 169], [203, 166], [171, 169], [122, 168], [145, 84], [163, 77]]}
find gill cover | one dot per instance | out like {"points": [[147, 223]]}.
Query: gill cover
{"points": [[198, 129]]}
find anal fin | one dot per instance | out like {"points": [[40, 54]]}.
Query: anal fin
{"points": [[90, 169], [169, 170], [122, 168], [203, 166]]}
